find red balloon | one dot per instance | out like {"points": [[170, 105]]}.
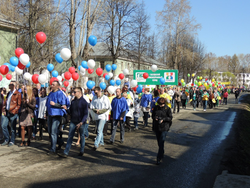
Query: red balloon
{"points": [[1, 77], [41, 37], [134, 88], [66, 83], [121, 76], [21, 66], [105, 74], [206, 79], [67, 75], [99, 71], [72, 70], [192, 84], [35, 79], [179, 84], [18, 52], [4, 69], [213, 85], [52, 80], [75, 76], [145, 75], [8, 76], [90, 71]]}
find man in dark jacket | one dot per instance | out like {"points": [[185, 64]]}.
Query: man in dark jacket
{"points": [[12, 105], [79, 114], [162, 121]]}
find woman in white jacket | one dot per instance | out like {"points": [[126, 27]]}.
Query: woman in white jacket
{"points": [[130, 113], [42, 111]]}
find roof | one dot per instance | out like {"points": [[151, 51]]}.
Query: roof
{"points": [[5, 21], [102, 50]]}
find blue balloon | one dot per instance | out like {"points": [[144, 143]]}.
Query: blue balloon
{"points": [[107, 77], [92, 84], [7, 64], [89, 84], [58, 58], [162, 81], [54, 73], [92, 40], [112, 82], [118, 82], [12, 68], [14, 61], [102, 85], [138, 90], [108, 67], [79, 67], [50, 67], [46, 84], [42, 85], [114, 67], [28, 65], [85, 64], [140, 86]]}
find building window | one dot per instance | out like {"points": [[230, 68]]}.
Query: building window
{"points": [[102, 64]]}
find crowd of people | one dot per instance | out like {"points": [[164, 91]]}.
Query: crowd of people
{"points": [[55, 110]]}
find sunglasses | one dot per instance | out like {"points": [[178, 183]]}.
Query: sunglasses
{"points": [[75, 91]]}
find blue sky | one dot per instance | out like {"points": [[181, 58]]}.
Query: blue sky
{"points": [[225, 24]]}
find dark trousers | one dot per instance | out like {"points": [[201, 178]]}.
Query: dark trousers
{"points": [[42, 124], [176, 103], [105, 129], [161, 137], [128, 125], [145, 118], [225, 101], [183, 102]]}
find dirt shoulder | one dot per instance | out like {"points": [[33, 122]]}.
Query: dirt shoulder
{"points": [[236, 158]]}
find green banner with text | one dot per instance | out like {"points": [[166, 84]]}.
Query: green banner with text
{"points": [[170, 76]]}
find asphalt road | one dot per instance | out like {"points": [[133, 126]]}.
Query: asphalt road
{"points": [[193, 151]]}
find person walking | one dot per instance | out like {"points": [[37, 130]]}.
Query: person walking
{"points": [[205, 97], [137, 111], [237, 92], [145, 105], [162, 116], [118, 115], [42, 111], [100, 105], [27, 115], [12, 105], [193, 97], [105, 129], [183, 98], [129, 115], [35, 93], [55, 114], [78, 112], [177, 98], [225, 95]]}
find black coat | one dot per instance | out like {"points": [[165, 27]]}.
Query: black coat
{"points": [[162, 113]]}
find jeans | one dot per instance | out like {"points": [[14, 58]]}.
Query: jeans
{"points": [[161, 137], [5, 122], [194, 104], [53, 129], [72, 130], [86, 131], [122, 131], [99, 137], [172, 101], [183, 102], [178, 106], [145, 117], [128, 122], [34, 126], [136, 122], [225, 101], [204, 104]]}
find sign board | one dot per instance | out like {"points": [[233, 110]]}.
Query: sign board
{"points": [[170, 76]]}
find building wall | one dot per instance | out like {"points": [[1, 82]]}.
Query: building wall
{"points": [[7, 44]]}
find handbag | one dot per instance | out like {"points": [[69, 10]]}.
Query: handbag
{"points": [[64, 120]]}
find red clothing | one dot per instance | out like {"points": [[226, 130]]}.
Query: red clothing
{"points": [[225, 95]]}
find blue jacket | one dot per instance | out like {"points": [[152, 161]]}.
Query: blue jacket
{"points": [[119, 108], [153, 103], [146, 99], [82, 107], [57, 97]]}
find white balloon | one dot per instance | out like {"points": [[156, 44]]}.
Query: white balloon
{"points": [[133, 83], [24, 59], [65, 54], [91, 63], [111, 90], [59, 78], [42, 79], [111, 74], [27, 76], [18, 71], [83, 71], [154, 68], [70, 80], [125, 71]]}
